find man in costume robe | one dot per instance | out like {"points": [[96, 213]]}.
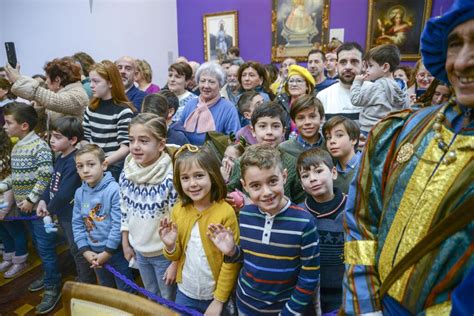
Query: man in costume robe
{"points": [[409, 216]]}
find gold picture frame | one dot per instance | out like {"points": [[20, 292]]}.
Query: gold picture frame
{"points": [[220, 33], [297, 27], [398, 22]]}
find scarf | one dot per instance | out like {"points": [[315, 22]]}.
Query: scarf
{"points": [[201, 119], [152, 174]]}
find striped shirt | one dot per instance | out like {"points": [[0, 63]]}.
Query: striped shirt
{"points": [[280, 261], [107, 126]]}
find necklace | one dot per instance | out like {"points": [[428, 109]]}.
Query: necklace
{"points": [[449, 155], [407, 150]]}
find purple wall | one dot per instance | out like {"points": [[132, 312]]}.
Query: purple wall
{"points": [[255, 24]]}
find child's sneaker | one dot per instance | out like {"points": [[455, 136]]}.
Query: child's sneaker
{"points": [[36, 285], [51, 297], [19, 265], [7, 261]]}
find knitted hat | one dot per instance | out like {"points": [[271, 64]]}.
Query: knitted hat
{"points": [[434, 40], [303, 72]]}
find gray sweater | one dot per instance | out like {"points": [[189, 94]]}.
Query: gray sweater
{"points": [[377, 100]]}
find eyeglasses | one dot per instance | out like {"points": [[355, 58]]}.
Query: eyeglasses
{"points": [[186, 147], [296, 81]]}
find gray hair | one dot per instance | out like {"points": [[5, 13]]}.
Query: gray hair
{"points": [[213, 69]]}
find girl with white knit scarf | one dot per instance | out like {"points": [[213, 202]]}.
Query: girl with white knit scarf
{"points": [[147, 195]]}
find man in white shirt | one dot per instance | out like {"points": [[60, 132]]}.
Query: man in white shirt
{"points": [[336, 99]]}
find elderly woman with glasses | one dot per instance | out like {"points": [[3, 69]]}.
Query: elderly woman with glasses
{"points": [[209, 112], [299, 82]]}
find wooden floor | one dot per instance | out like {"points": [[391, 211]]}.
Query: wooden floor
{"points": [[15, 299]]}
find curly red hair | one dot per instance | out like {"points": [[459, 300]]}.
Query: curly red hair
{"points": [[64, 68]]}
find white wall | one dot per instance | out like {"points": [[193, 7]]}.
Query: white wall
{"points": [[45, 29]]}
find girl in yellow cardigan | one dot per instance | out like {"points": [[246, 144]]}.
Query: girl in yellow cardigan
{"points": [[205, 282]]}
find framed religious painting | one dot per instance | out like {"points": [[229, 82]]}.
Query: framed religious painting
{"points": [[220, 33], [297, 27], [398, 22]]}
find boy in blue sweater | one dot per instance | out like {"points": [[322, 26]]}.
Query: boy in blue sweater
{"points": [[58, 198], [326, 203], [279, 244], [96, 217]]}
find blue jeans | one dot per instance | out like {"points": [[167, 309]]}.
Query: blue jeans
{"points": [[152, 270], [83, 270], [198, 305], [13, 235], [120, 264], [46, 246]]}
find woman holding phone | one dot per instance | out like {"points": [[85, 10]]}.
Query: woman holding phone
{"points": [[65, 94]]}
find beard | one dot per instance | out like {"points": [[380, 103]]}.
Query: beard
{"points": [[127, 83], [233, 85], [345, 79]]}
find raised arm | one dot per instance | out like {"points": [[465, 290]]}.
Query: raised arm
{"points": [[71, 100]]}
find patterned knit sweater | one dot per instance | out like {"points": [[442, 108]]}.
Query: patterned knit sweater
{"points": [[147, 195], [32, 167], [329, 221]]}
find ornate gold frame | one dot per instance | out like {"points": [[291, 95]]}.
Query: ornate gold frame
{"points": [[369, 39], [323, 26], [205, 18]]}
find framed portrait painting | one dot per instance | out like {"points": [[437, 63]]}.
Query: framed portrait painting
{"points": [[220, 34], [398, 22], [297, 27]]}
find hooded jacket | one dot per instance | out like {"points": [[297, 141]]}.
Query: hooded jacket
{"points": [[96, 216]]}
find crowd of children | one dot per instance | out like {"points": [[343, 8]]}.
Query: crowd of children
{"points": [[262, 228], [159, 214]]}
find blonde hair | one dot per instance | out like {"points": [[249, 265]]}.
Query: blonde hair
{"points": [[145, 69], [92, 149]]}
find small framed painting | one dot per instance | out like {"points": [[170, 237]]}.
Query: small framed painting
{"points": [[297, 27], [398, 22], [220, 34]]}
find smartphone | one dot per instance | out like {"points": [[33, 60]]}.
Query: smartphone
{"points": [[419, 92], [11, 53]]}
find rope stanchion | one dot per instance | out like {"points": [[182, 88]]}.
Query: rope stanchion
{"points": [[21, 218], [156, 298]]}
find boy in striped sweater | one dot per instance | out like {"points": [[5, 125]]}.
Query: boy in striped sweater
{"points": [[279, 242]]}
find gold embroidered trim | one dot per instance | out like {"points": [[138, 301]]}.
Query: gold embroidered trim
{"points": [[360, 252], [418, 207], [439, 309]]}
